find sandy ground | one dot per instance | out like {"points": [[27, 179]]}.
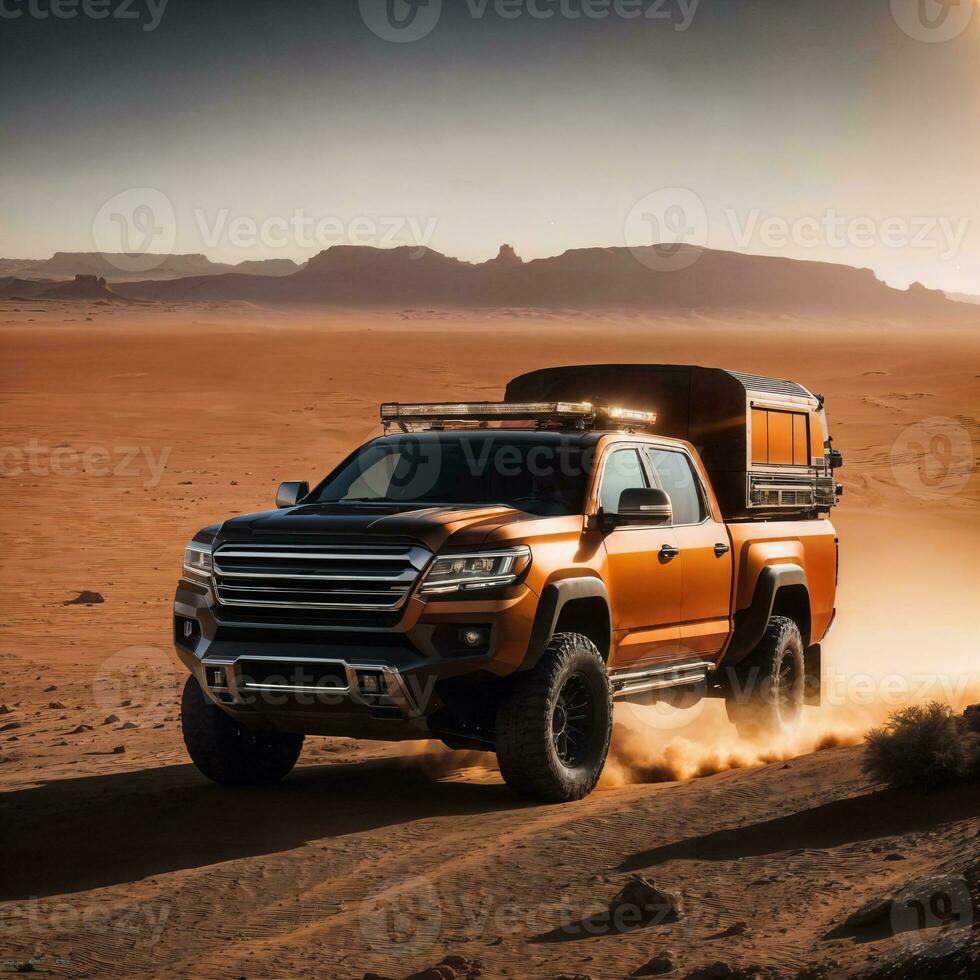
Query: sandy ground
{"points": [[124, 432]]}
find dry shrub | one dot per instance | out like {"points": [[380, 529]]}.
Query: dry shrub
{"points": [[924, 747]]}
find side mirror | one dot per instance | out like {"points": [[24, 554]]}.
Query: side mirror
{"points": [[289, 494], [641, 507]]}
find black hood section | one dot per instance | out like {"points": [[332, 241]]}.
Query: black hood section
{"points": [[431, 527]]}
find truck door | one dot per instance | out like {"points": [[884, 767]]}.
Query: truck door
{"points": [[644, 579], [705, 559]]}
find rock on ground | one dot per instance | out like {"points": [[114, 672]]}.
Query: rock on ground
{"points": [[640, 900]]}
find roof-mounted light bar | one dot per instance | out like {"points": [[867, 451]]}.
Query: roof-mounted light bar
{"points": [[578, 415], [495, 410], [629, 415]]}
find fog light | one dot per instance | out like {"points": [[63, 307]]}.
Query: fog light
{"points": [[473, 636], [216, 677], [371, 683]]}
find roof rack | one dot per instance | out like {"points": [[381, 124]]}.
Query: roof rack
{"points": [[415, 417]]}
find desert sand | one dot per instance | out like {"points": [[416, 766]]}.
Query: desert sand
{"points": [[124, 430]]}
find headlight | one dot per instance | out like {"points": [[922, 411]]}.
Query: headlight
{"points": [[197, 560], [481, 570]]}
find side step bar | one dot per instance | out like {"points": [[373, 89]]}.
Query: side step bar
{"points": [[659, 678]]}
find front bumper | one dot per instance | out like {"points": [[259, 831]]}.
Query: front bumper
{"points": [[324, 686]]}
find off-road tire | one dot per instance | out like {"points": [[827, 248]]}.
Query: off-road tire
{"points": [[767, 696], [226, 752], [527, 737]]}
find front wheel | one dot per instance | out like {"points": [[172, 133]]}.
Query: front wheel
{"points": [[226, 752], [767, 695], [553, 729]]}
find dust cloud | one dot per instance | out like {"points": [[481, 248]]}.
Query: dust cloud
{"points": [[658, 743], [436, 762]]}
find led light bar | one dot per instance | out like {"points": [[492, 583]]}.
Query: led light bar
{"points": [[411, 416], [629, 415], [495, 410]]}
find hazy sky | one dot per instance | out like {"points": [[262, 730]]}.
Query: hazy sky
{"points": [[840, 130]]}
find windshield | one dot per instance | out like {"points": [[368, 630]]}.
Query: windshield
{"points": [[542, 473]]}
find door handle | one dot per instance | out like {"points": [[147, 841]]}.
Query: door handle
{"points": [[668, 552], [721, 549]]}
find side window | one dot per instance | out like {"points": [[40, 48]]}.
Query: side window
{"points": [[622, 471], [780, 437], [678, 481]]}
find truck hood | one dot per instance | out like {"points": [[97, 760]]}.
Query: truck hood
{"points": [[433, 527]]}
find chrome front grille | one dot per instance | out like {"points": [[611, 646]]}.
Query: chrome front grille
{"points": [[359, 577]]}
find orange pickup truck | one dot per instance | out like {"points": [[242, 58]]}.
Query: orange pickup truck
{"points": [[497, 574]]}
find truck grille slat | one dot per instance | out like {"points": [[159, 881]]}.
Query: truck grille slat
{"points": [[275, 588], [406, 576], [369, 554], [317, 577]]}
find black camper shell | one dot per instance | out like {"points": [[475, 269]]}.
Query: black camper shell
{"points": [[764, 441]]}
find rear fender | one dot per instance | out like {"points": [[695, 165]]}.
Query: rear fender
{"points": [[750, 623]]}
